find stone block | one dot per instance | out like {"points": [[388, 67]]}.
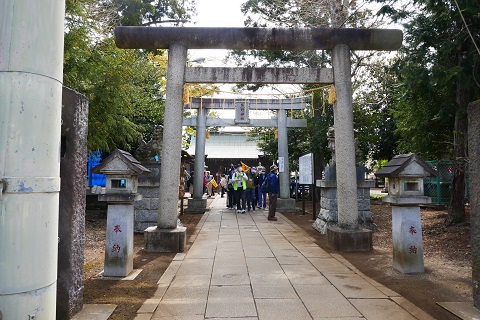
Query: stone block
{"points": [[165, 240], [329, 204], [146, 215], [149, 192], [363, 204], [154, 204], [285, 205], [328, 215], [328, 193], [196, 206], [140, 227], [349, 240], [142, 204]]}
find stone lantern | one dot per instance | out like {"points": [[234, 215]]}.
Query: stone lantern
{"points": [[122, 171], [405, 173]]}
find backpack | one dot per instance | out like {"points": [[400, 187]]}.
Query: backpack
{"points": [[265, 184]]}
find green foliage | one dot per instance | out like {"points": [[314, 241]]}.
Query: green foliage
{"points": [[125, 88], [148, 12], [437, 72]]}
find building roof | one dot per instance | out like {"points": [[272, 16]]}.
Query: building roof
{"points": [[398, 165], [228, 146], [118, 161]]}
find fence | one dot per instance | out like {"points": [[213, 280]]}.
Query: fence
{"points": [[439, 188]]}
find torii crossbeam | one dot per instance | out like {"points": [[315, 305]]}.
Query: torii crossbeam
{"points": [[179, 39], [242, 108]]}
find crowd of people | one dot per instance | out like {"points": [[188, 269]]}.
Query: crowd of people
{"points": [[246, 188]]}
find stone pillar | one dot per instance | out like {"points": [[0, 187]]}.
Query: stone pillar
{"points": [[284, 202], [198, 203], [344, 140], [31, 71], [71, 231], [407, 239], [474, 178], [119, 240], [167, 237]]}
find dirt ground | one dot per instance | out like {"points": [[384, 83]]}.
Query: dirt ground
{"points": [[447, 274]]}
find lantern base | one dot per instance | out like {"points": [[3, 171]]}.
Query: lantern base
{"points": [[349, 240], [165, 240]]}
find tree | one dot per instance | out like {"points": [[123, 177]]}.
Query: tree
{"points": [[148, 12], [438, 74], [369, 123], [125, 88]]}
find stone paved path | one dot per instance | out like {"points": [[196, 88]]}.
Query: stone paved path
{"points": [[242, 266]]}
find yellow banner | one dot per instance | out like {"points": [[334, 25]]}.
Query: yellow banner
{"points": [[214, 183]]}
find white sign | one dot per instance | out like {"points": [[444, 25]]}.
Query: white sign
{"points": [[305, 167], [281, 164]]}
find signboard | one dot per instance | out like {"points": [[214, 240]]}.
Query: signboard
{"points": [[281, 164], [305, 167], [241, 112]]}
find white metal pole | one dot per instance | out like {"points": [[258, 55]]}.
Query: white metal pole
{"points": [[31, 63]]}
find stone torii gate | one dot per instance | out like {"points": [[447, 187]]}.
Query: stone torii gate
{"points": [[166, 236], [242, 108]]}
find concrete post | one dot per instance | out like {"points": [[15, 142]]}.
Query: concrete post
{"points": [[283, 153], [31, 51], [199, 154], [172, 137], [167, 237], [344, 140], [474, 177]]}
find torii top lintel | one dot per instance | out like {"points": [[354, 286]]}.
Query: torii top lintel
{"points": [[258, 38]]}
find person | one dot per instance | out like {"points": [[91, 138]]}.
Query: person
{"points": [[223, 184], [190, 183], [240, 185], [262, 194], [250, 192], [273, 189], [208, 180], [230, 192]]}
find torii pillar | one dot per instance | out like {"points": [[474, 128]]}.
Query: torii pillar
{"points": [[282, 122], [340, 40]]}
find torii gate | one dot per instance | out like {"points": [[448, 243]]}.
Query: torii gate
{"points": [[166, 236], [242, 108]]}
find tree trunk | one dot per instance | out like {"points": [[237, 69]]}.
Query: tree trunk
{"points": [[456, 210], [474, 173]]}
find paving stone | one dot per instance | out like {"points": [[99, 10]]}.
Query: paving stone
{"points": [[263, 266], [95, 312], [180, 308], [169, 274], [272, 286], [230, 302], [329, 265], [149, 305], [354, 286], [381, 309], [325, 301], [281, 309], [304, 274], [195, 266]]}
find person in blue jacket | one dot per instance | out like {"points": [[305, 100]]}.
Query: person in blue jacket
{"points": [[273, 189]]}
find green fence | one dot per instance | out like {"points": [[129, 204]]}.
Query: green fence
{"points": [[439, 188]]}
